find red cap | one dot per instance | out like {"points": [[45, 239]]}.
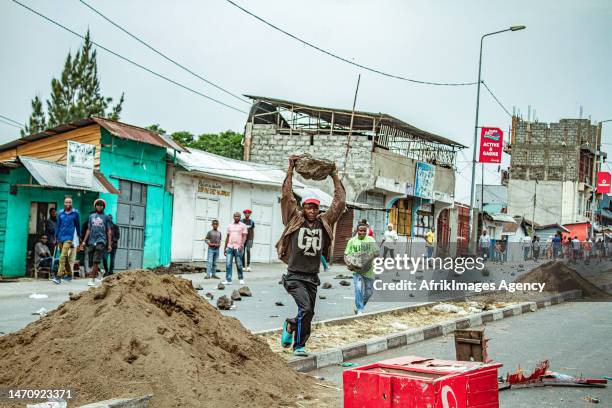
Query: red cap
{"points": [[247, 211], [312, 201]]}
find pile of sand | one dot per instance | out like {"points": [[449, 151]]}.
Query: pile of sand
{"points": [[145, 334], [560, 278]]}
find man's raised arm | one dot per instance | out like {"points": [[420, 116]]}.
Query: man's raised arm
{"points": [[289, 206], [338, 205]]}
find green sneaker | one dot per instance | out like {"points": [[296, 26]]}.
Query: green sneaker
{"points": [[287, 337], [300, 352]]}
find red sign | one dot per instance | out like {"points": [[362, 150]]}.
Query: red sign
{"points": [[603, 182], [491, 145]]}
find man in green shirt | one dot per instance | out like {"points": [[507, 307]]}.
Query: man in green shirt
{"points": [[363, 280]]}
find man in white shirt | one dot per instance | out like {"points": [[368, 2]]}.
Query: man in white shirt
{"points": [[389, 241], [484, 243]]}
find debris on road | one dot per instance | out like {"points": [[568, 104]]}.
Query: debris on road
{"points": [[220, 286], [245, 291], [209, 296], [322, 297], [236, 296], [327, 285], [341, 276], [279, 304], [446, 308], [41, 312], [154, 335], [558, 277], [74, 296], [224, 303], [541, 377], [593, 400], [38, 296], [199, 287], [344, 283]]}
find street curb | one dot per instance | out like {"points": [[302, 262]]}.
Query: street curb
{"points": [[137, 402], [378, 344]]}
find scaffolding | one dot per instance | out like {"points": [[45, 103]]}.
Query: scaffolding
{"points": [[385, 131]]}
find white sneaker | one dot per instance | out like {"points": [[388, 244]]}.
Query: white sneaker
{"points": [[226, 282], [91, 283], [241, 281]]}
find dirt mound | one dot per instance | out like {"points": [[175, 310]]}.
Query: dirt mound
{"points": [[560, 278], [145, 334]]}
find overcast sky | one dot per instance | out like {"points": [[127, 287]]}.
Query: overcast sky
{"points": [[560, 62]]}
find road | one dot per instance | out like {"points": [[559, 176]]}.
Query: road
{"points": [[256, 313], [575, 337]]}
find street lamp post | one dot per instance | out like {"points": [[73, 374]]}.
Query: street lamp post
{"points": [[474, 157]]}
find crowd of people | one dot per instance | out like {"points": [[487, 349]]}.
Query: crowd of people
{"points": [[64, 237], [569, 248]]}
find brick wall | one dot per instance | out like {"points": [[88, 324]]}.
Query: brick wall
{"points": [[272, 148], [544, 151]]}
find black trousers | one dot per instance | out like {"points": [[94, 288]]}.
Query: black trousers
{"points": [[305, 295], [111, 268]]}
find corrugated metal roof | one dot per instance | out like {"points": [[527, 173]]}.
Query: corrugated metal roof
{"points": [[118, 129], [231, 169], [137, 134], [501, 217], [49, 174]]}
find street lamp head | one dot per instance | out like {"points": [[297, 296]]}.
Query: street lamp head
{"points": [[516, 28]]}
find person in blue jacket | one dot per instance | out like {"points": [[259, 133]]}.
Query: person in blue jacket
{"points": [[68, 222]]}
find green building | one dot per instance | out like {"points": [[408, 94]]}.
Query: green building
{"points": [[131, 173]]}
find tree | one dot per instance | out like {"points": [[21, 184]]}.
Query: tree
{"points": [[228, 144], [75, 94], [156, 128], [183, 137], [37, 121]]}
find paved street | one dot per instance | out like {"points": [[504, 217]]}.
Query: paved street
{"points": [[575, 337], [256, 313]]}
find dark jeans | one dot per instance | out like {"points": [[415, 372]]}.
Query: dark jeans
{"points": [[388, 250], [111, 268], [305, 295], [230, 255], [246, 253], [45, 262]]}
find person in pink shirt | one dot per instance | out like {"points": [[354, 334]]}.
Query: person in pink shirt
{"points": [[234, 246]]}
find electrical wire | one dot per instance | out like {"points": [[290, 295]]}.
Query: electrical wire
{"points": [[496, 100], [6, 122], [343, 59], [161, 54], [131, 61], [11, 120]]}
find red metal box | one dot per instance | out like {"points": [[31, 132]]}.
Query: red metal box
{"points": [[417, 382]]}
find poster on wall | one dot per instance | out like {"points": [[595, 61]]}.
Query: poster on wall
{"points": [[491, 145], [80, 164], [424, 183]]}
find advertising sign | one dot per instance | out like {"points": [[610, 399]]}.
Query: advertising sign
{"points": [[603, 182], [491, 145], [80, 164], [424, 183]]}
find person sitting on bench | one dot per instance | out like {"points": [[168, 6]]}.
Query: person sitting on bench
{"points": [[42, 254]]}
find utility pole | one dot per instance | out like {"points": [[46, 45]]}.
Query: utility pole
{"points": [[472, 241], [535, 196]]}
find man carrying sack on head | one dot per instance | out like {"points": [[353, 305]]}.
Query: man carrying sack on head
{"points": [[306, 237]]}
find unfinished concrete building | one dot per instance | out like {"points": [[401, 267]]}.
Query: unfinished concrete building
{"points": [[552, 170], [383, 161]]}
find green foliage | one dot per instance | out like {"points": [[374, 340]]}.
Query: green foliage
{"points": [[227, 144], [75, 95]]}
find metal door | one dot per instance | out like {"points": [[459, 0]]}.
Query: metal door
{"points": [[131, 216], [206, 210], [262, 216]]}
